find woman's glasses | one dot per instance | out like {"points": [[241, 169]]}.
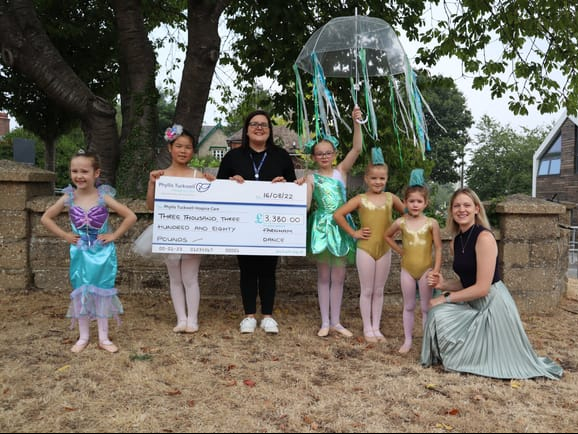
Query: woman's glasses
{"points": [[262, 125]]}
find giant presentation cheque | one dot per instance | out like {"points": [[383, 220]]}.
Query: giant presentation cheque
{"points": [[224, 217]]}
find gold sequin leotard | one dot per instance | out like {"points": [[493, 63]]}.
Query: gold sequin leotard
{"points": [[417, 248], [379, 219]]}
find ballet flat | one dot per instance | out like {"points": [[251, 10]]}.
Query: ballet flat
{"points": [[77, 348], [180, 328], [342, 331], [111, 348], [191, 329], [323, 332]]}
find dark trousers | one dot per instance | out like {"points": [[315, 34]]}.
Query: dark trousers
{"points": [[258, 274]]}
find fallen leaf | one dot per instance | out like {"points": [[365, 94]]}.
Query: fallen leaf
{"points": [[434, 388], [515, 384], [231, 367], [63, 368], [307, 420], [174, 392], [70, 409], [231, 383], [453, 412], [191, 403], [249, 383], [444, 426]]}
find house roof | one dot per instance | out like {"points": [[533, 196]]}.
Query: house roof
{"points": [[553, 133], [283, 136], [543, 148], [207, 131]]}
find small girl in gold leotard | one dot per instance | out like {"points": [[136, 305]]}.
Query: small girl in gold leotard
{"points": [[419, 235], [373, 256]]}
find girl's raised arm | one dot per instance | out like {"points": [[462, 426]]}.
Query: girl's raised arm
{"points": [[345, 166]]}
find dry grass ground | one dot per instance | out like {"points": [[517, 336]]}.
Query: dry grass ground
{"points": [[220, 381]]}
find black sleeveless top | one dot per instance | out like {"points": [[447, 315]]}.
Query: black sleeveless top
{"points": [[465, 264]]}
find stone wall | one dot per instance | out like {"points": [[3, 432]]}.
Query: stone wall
{"points": [[533, 250]]}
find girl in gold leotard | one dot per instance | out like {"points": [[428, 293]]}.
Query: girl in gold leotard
{"points": [[419, 235], [373, 256]]}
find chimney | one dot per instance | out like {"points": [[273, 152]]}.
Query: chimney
{"points": [[4, 124]]}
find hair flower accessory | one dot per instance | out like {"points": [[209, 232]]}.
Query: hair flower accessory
{"points": [[173, 132]]}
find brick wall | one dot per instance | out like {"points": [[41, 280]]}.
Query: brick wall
{"points": [[4, 124]]}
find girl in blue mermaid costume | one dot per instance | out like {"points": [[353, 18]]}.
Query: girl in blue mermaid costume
{"points": [[93, 261]]}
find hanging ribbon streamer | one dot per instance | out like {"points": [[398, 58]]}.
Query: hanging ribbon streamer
{"points": [[327, 116], [394, 117], [417, 116], [302, 121], [372, 119]]}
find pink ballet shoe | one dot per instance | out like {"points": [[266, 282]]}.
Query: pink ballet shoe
{"points": [[79, 347], [323, 332], [341, 330], [405, 348], [379, 336], [111, 348], [180, 328], [192, 329], [369, 337]]}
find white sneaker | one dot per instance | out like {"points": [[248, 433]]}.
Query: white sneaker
{"points": [[248, 325], [269, 325]]}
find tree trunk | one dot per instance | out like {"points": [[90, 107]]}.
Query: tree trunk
{"points": [[139, 97], [27, 48], [202, 56]]}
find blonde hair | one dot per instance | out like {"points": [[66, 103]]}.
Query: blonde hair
{"points": [[481, 217], [371, 166]]}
